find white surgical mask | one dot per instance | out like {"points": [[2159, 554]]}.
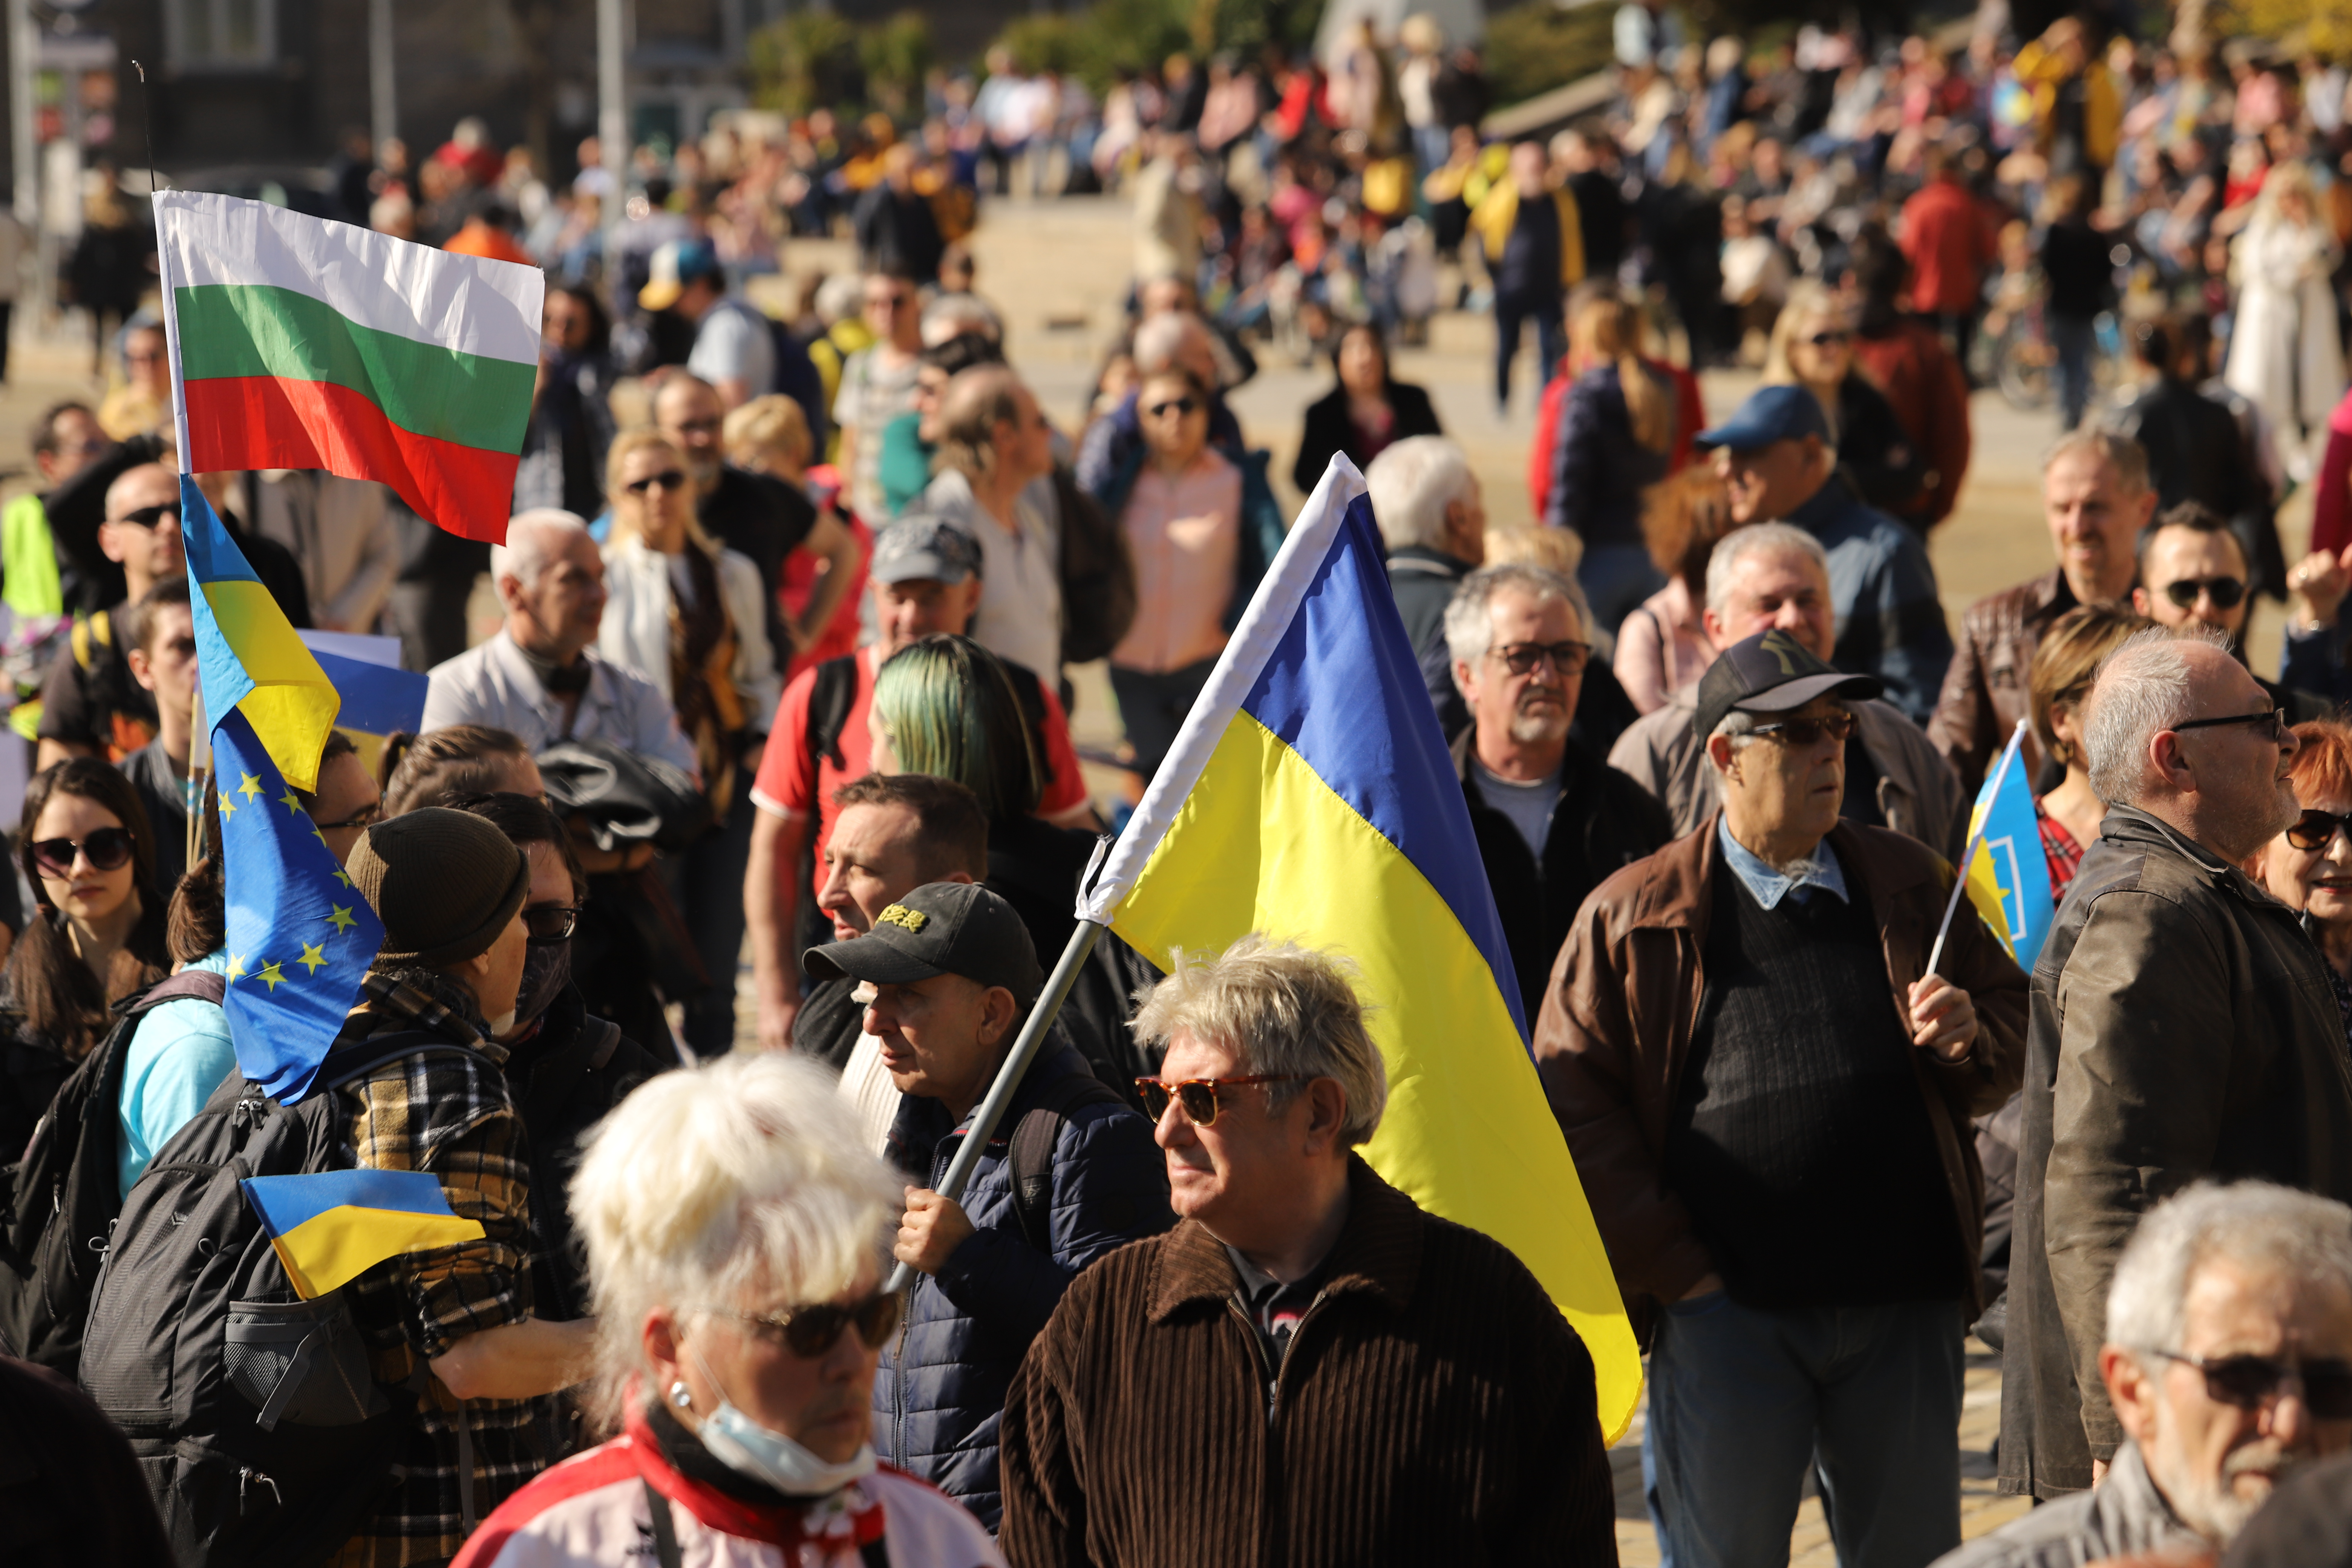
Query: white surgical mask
{"points": [[750, 1449]]}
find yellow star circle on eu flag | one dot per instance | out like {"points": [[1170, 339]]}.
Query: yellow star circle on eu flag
{"points": [[236, 963], [288, 801], [342, 919], [313, 956], [227, 806], [340, 875], [250, 787], [272, 975]]}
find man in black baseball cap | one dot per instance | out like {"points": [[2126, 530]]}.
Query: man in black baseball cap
{"points": [[947, 974], [1813, 1177]]}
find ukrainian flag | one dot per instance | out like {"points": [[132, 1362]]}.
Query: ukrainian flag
{"points": [[2008, 879], [1311, 797], [300, 935], [247, 653], [331, 1226], [376, 700]]}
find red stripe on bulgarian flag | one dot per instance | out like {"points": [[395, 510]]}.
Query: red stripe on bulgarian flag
{"points": [[269, 422]]}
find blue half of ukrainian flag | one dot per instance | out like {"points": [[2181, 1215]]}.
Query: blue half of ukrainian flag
{"points": [[300, 935], [2009, 879], [1311, 797], [376, 700], [331, 1226]]}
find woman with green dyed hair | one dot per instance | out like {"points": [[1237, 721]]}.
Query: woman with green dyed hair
{"points": [[947, 706]]}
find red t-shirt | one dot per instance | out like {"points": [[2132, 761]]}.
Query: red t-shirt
{"points": [[794, 783]]}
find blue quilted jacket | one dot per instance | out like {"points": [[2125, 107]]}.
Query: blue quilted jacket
{"points": [[940, 1394]]}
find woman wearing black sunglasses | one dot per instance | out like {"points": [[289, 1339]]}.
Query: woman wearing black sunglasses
{"points": [[86, 847], [2309, 867]]}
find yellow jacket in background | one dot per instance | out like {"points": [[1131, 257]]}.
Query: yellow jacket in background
{"points": [[1494, 216]]}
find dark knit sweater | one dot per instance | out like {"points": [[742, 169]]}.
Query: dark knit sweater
{"points": [[1799, 1141], [1433, 1407]]}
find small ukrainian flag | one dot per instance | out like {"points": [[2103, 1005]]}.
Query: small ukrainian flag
{"points": [[331, 1226]]}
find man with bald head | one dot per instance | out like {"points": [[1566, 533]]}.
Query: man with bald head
{"points": [[1775, 574], [994, 441], [540, 677], [90, 704], [2184, 1026]]}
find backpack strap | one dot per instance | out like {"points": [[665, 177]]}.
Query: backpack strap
{"points": [[664, 1528], [201, 984], [830, 698], [1031, 1157]]}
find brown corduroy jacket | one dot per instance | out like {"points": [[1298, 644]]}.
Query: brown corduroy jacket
{"points": [[1435, 1408]]}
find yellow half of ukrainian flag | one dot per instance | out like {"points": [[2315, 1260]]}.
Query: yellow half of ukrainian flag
{"points": [[331, 1226], [247, 652], [1311, 797]]}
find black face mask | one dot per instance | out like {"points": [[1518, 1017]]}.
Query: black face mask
{"points": [[546, 971]]}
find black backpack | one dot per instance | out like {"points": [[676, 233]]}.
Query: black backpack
{"points": [[256, 1419], [1032, 1154], [64, 1197]]}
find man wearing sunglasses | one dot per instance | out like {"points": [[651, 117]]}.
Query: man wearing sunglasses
{"points": [[90, 706], [1307, 1369], [949, 973], [2185, 1027], [2228, 1360], [1768, 1092], [1552, 819], [2193, 572]]}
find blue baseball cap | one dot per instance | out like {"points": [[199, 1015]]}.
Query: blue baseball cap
{"points": [[1771, 413], [678, 263]]}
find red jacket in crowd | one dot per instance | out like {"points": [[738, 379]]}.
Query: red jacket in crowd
{"points": [[1949, 243], [1907, 361]]}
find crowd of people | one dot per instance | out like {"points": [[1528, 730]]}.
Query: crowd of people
{"points": [[779, 686]]}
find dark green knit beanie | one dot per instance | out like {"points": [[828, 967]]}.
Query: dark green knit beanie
{"points": [[444, 883]]}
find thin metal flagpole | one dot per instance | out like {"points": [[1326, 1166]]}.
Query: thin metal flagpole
{"points": [[991, 1107], [1976, 841]]}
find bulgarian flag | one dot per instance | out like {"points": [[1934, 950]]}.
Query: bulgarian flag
{"points": [[301, 343]]}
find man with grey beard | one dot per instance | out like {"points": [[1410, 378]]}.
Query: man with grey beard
{"points": [[2184, 1027], [2228, 1361], [1552, 819]]}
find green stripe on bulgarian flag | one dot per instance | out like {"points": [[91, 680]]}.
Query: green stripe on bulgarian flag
{"points": [[231, 330]]}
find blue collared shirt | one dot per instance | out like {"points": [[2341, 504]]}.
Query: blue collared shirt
{"points": [[1768, 883]]}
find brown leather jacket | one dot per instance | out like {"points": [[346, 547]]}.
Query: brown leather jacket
{"points": [[1987, 689], [1616, 1029]]}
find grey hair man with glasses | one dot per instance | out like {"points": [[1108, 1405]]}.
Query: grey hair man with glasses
{"points": [[2184, 1027], [1552, 818], [1768, 1086], [2228, 1361]]}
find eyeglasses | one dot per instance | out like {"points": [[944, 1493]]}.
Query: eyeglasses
{"points": [[106, 848], [2274, 723], [1836, 727], [2315, 830], [1179, 407], [809, 1331], [550, 922], [710, 426], [2248, 1382], [2225, 591], [365, 817], [1566, 657], [668, 479], [149, 516], [1198, 1096], [889, 301], [1830, 340]]}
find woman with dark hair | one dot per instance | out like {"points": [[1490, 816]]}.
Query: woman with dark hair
{"points": [[570, 424], [1367, 412], [86, 847]]}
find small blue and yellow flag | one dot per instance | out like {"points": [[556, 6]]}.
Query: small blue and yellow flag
{"points": [[247, 653], [331, 1226], [2008, 879], [1311, 797], [377, 699], [300, 935]]}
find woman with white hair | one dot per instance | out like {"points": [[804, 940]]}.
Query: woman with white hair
{"points": [[736, 1232], [2286, 355]]}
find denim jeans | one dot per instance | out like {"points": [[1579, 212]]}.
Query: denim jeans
{"points": [[1152, 708], [1512, 312], [2074, 338], [1743, 1400]]}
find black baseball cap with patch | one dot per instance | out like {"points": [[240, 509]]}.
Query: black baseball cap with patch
{"points": [[941, 927], [1770, 672]]}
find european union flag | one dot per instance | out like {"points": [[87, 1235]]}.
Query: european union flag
{"points": [[300, 935]]}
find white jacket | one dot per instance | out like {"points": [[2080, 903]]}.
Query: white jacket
{"points": [[635, 633]]}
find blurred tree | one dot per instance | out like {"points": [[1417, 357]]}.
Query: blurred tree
{"points": [[808, 59], [896, 54]]}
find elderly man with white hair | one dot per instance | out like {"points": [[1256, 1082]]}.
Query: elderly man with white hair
{"points": [[540, 677], [2184, 1027], [1433, 519], [737, 1231], [2228, 1360], [1775, 574]]}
